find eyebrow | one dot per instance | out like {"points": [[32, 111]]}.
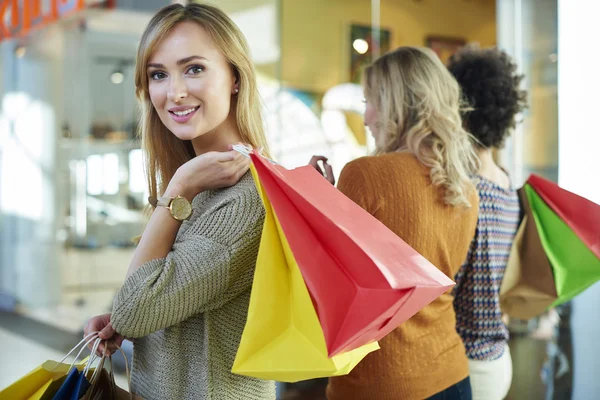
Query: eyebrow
{"points": [[183, 61]]}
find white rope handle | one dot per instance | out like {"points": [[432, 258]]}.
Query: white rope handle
{"points": [[247, 150], [243, 150], [84, 340], [83, 344], [93, 357], [127, 373], [100, 366], [81, 351], [105, 355]]}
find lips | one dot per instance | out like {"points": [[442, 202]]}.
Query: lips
{"points": [[183, 114]]}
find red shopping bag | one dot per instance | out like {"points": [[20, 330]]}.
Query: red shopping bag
{"points": [[580, 214], [363, 279]]}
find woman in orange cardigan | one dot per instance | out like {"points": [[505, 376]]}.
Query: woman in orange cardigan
{"points": [[418, 185]]}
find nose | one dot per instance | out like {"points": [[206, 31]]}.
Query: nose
{"points": [[177, 89]]}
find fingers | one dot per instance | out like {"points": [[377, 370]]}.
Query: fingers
{"points": [[112, 345], [107, 332], [94, 325], [243, 167], [314, 161], [236, 170], [102, 325], [238, 162], [226, 156], [329, 172], [232, 154], [108, 346]]}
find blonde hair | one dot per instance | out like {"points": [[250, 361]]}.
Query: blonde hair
{"points": [[418, 104], [165, 153]]}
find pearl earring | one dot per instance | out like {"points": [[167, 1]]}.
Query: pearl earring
{"points": [[236, 90]]}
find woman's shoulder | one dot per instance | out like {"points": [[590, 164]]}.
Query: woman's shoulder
{"points": [[227, 215], [242, 192], [396, 167], [394, 160]]}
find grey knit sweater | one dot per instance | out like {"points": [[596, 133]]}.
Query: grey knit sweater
{"points": [[187, 311]]}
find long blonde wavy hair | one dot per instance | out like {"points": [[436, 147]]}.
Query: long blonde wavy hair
{"points": [[164, 152], [418, 105]]}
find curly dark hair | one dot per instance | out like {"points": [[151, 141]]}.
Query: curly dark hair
{"points": [[490, 84]]}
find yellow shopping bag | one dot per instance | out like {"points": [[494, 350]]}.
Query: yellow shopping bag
{"points": [[43, 379], [283, 339]]}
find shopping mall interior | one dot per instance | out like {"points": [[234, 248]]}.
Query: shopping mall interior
{"points": [[72, 183]]}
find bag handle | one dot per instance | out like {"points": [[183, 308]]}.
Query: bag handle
{"points": [[89, 338], [85, 345], [96, 376], [247, 150], [127, 373], [93, 357]]}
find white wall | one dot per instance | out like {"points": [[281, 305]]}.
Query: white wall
{"points": [[579, 163]]}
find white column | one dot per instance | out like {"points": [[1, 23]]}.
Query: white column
{"points": [[579, 101], [509, 32], [579, 162]]}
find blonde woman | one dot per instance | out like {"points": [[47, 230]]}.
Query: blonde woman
{"points": [[186, 295], [418, 186]]}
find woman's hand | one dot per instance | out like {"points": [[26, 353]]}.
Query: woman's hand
{"points": [[328, 174], [107, 333], [212, 170]]}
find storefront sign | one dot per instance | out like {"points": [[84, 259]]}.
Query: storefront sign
{"points": [[19, 17]]}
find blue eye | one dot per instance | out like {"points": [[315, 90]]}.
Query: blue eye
{"points": [[196, 69], [157, 75]]}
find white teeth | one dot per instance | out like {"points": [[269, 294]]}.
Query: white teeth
{"points": [[182, 113]]}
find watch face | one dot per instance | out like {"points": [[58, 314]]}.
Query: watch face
{"points": [[181, 208]]}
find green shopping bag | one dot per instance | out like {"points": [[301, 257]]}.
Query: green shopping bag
{"points": [[574, 265]]}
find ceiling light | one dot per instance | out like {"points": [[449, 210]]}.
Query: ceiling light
{"points": [[361, 46], [20, 51], [117, 77]]}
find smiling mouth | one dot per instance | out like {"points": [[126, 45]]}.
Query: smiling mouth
{"points": [[185, 112]]}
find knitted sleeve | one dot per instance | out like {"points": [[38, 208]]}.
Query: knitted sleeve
{"points": [[212, 263]]}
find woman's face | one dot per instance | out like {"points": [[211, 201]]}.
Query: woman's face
{"points": [[190, 81], [371, 119]]}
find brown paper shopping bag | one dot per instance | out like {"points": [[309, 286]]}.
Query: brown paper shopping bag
{"points": [[528, 287]]}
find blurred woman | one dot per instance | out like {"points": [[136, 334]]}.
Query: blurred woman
{"points": [[490, 83], [418, 185]]}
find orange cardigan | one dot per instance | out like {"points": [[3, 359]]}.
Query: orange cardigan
{"points": [[424, 355]]}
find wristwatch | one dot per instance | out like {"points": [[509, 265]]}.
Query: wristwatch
{"points": [[179, 206]]}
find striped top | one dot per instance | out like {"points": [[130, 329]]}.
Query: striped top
{"points": [[477, 290]]}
